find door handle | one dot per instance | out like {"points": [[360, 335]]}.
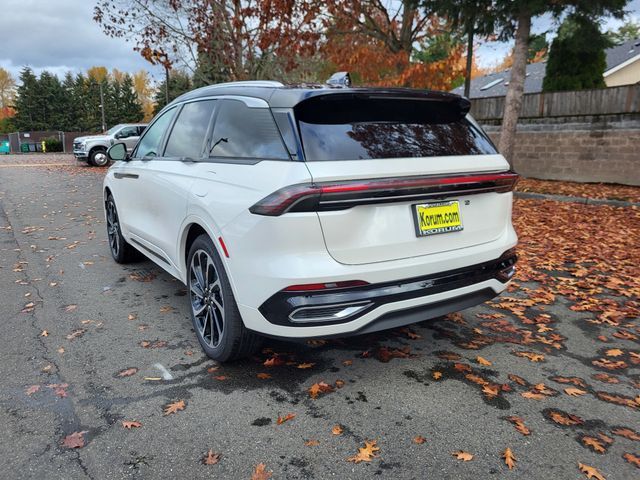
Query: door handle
{"points": [[125, 175]]}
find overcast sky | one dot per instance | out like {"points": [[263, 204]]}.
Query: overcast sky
{"points": [[60, 35]]}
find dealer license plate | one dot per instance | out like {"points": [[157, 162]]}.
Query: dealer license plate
{"points": [[437, 217]]}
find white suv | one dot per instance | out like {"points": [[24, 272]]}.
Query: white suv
{"points": [[314, 211]]}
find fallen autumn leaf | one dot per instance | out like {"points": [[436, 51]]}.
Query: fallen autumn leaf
{"points": [[590, 472], [211, 458], [464, 456], [131, 424], [174, 407], [509, 459], [74, 440], [366, 453]]}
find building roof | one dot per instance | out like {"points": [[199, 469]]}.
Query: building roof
{"points": [[495, 84], [622, 53]]}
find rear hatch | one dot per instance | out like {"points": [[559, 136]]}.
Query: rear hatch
{"points": [[404, 175]]}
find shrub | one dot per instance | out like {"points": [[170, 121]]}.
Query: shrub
{"points": [[52, 144]]}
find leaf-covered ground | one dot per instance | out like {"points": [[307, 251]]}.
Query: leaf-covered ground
{"points": [[607, 191], [102, 376]]}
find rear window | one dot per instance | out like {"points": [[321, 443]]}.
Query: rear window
{"points": [[376, 128]]}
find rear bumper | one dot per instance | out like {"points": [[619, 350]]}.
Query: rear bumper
{"points": [[381, 306], [298, 309], [421, 313]]}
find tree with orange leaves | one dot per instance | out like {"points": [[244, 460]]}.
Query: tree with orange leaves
{"points": [[378, 43]]}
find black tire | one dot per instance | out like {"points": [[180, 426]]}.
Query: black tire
{"points": [[214, 311], [98, 157], [121, 251]]}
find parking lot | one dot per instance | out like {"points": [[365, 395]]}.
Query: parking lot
{"points": [[550, 370]]}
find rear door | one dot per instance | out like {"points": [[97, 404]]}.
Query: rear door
{"points": [[399, 146], [245, 160]]}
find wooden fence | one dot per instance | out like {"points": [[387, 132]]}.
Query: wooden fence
{"points": [[604, 101]]}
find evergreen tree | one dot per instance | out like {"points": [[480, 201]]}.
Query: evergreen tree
{"points": [[51, 102], [112, 92], [577, 59], [72, 111], [130, 106], [26, 101], [92, 118], [179, 83], [45, 103], [209, 69], [79, 98]]}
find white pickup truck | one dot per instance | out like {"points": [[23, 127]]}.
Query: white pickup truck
{"points": [[93, 148]]}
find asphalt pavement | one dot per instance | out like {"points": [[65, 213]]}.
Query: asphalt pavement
{"points": [[87, 344]]}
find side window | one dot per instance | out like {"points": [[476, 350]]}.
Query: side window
{"points": [[246, 133], [150, 143], [190, 130], [127, 132], [141, 130]]}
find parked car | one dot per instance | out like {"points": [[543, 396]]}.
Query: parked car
{"points": [[314, 211], [93, 148]]}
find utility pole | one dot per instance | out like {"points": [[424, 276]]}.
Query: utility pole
{"points": [[104, 127], [467, 74], [166, 76]]}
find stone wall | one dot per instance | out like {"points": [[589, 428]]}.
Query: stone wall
{"points": [[593, 151]]}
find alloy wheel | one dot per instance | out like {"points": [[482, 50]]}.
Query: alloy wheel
{"points": [[207, 304], [113, 230]]}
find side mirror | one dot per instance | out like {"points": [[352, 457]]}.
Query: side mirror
{"points": [[118, 152]]}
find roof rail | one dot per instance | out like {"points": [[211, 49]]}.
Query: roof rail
{"points": [[250, 83]]}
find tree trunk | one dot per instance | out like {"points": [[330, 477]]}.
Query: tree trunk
{"points": [[513, 101], [467, 74]]}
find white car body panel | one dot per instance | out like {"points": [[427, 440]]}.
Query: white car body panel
{"points": [[382, 232], [160, 199]]}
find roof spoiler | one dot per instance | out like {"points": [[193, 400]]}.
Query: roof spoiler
{"points": [[391, 105]]}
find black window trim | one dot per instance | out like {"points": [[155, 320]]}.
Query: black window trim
{"points": [[293, 123]]}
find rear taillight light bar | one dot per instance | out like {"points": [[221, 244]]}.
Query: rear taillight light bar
{"points": [[314, 287], [308, 197]]}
